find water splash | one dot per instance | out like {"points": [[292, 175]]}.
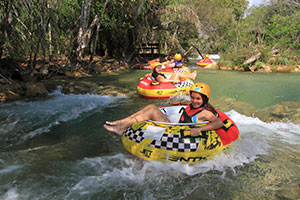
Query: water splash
{"points": [[286, 132], [21, 120], [11, 194], [10, 169]]}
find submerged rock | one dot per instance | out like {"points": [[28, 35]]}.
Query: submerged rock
{"points": [[35, 90], [286, 111]]}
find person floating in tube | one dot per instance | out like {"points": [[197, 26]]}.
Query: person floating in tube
{"points": [[175, 62], [198, 110], [174, 78]]}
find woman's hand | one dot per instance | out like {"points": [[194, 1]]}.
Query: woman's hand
{"points": [[195, 132]]}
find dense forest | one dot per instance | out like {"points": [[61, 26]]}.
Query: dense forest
{"points": [[35, 32]]}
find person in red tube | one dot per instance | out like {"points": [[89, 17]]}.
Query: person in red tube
{"points": [[174, 78], [175, 62]]}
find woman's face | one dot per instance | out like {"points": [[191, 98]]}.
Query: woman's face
{"points": [[158, 68], [196, 99]]}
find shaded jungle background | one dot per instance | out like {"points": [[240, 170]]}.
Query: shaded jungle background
{"points": [[37, 32]]}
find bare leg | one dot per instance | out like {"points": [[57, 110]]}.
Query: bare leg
{"points": [[150, 112], [194, 75], [180, 76]]}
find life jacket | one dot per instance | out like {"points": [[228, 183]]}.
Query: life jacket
{"points": [[178, 64], [227, 133], [156, 74], [188, 113]]}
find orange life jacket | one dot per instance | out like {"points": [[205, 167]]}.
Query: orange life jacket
{"points": [[228, 132]]}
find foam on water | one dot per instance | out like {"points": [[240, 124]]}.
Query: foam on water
{"points": [[120, 171], [11, 194], [109, 175], [10, 169], [22, 120], [286, 132]]}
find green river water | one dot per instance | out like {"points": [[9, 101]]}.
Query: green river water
{"points": [[57, 148]]}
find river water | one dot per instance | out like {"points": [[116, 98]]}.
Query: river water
{"points": [[57, 148]]}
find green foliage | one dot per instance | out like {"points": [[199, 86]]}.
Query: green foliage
{"points": [[218, 26], [283, 31], [258, 64], [68, 11], [279, 61]]}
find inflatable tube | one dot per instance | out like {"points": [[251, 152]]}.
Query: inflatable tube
{"points": [[204, 62], [169, 70], [148, 65], [149, 88], [168, 142], [183, 70], [145, 67]]}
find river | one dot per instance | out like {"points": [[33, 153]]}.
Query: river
{"points": [[57, 148]]}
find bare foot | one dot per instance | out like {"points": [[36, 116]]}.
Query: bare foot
{"points": [[193, 75], [114, 123], [114, 129]]}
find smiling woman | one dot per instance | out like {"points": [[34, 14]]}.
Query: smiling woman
{"points": [[172, 142], [198, 110], [201, 132], [177, 133], [157, 75]]}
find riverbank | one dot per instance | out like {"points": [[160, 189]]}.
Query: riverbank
{"points": [[19, 82], [35, 84], [257, 68]]}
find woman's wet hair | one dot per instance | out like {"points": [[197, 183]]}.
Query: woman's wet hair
{"points": [[204, 99], [207, 105], [154, 69]]}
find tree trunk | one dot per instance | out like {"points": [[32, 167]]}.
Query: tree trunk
{"points": [[43, 24], [98, 24], [50, 37], [33, 64], [252, 59], [84, 17], [5, 25], [94, 45], [257, 56]]}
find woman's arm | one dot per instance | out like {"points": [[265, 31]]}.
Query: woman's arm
{"points": [[208, 116]]}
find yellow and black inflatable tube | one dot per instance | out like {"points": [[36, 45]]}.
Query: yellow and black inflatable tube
{"points": [[169, 142], [183, 70]]}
